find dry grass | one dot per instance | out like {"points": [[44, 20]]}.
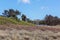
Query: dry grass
{"points": [[30, 28]]}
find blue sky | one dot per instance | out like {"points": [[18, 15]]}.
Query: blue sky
{"points": [[33, 9]]}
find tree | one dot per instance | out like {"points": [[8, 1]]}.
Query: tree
{"points": [[23, 17], [11, 13], [51, 20], [5, 13]]}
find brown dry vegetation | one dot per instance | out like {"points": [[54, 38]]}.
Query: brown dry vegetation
{"points": [[21, 32], [31, 28]]}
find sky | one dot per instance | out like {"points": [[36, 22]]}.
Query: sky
{"points": [[33, 9]]}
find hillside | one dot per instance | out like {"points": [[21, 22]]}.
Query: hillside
{"points": [[8, 21], [29, 33], [11, 29]]}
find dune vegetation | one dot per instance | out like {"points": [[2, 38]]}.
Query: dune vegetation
{"points": [[5, 20]]}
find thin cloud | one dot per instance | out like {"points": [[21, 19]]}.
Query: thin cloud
{"points": [[24, 1], [45, 9]]}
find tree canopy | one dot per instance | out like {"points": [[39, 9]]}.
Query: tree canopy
{"points": [[11, 13]]}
